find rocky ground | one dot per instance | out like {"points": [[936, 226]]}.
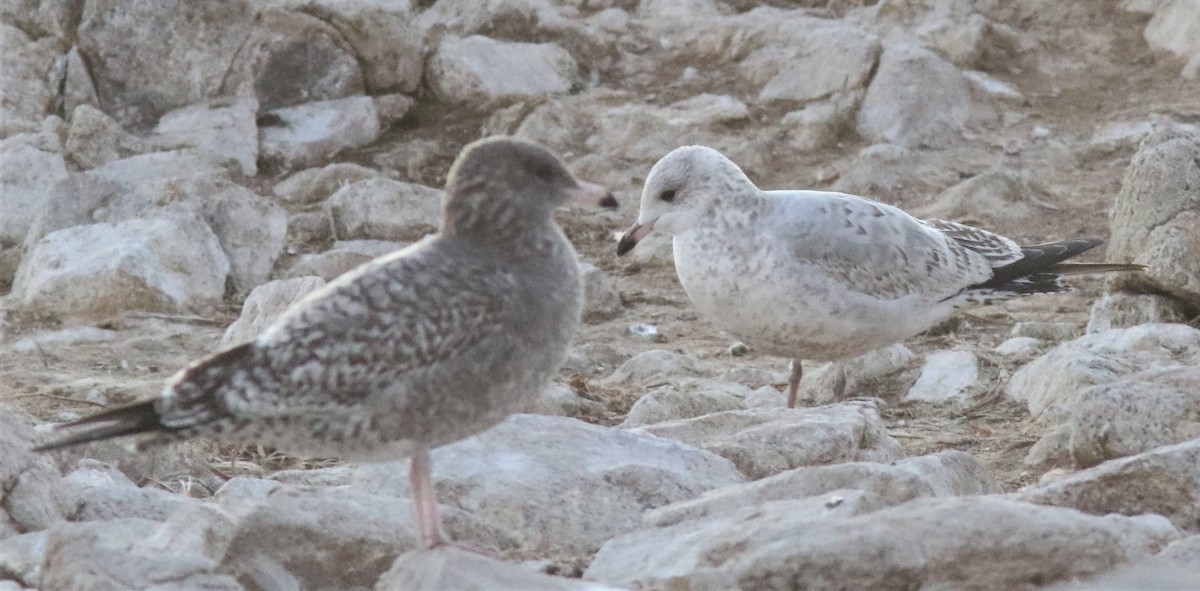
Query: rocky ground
{"points": [[174, 174]]}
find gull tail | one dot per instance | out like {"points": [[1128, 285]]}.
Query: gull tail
{"points": [[140, 417], [1040, 270]]}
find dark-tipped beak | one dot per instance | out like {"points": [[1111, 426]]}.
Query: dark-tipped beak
{"points": [[593, 195], [632, 236]]}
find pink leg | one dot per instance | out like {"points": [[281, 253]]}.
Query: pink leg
{"points": [[794, 383], [429, 526]]}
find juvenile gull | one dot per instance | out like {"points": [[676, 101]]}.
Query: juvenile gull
{"points": [[408, 352], [827, 276]]}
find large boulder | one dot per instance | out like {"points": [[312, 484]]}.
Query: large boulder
{"points": [[915, 99], [25, 66], [480, 71], [30, 167]]}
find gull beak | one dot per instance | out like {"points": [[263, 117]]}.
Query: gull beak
{"points": [[632, 236], [593, 195]]}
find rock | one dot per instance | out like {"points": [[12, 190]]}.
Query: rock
{"points": [[148, 57], [130, 173], [559, 483], [1183, 552], [947, 473], [32, 166], [882, 372], [392, 108], [1175, 28], [1154, 215], [25, 66], [1150, 574], [326, 265], [945, 376], [1018, 346], [225, 128], [98, 492], [101, 270], [483, 72], [313, 132], [118, 554], [1046, 331], [309, 533], [1053, 383], [816, 126], [31, 497], [384, 209], [290, 58], [1135, 414], [265, 304], [21, 559], [926, 543], [95, 139], [448, 567], [601, 300], [78, 88], [313, 185], [996, 198], [384, 37], [653, 368], [833, 59], [765, 441], [668, 404], [915, 99], [1163, 481], [766, 397], [1124, 309], [561, 401]]}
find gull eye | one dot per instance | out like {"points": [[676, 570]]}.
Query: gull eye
{"points": [[667, 196]]}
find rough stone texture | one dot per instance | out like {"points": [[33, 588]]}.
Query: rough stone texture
{"points": [[225, 128], [669, 404], [1165, 481], [947, 473], [601, 300], [1123, 310], [1018, 346], [927, 543], [996, 197], [101, 270], [78, 88], [561, 401], [1051, 384], [1155, 215], [654, 368], [21, 559], [833, 60], [97, 492], [1175, 27], [317, 184], [265, 304], [25, 66], [311, 133], [765, 441], [95, 139], [889, 371], [558, 483], [289, 58], [384, 209], [449, 567], [481, 71], [384, 38], [915, 99], [30, 496], [30, 166], [149, 57], [945, 376]]}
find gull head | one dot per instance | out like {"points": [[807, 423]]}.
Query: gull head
{"points": [[682, 190]]}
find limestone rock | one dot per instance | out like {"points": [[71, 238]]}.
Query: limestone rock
{"points": [[225, 128], [653, 368], [265, 304], [668, 404], [915, 99], [945, 376], [481, 71], [25, 66], [313, 132], [30, 166], [95, 139], [601, 300], [449, 567], [383, 209], [31, 497], [1176, 28], [1123, 310], [313, 185], [889, 371]]}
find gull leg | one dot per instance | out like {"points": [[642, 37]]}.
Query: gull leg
{"points": [[794, 383], [429, 526]]}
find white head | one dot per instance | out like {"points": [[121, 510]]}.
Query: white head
{"points": [[681, 191]]}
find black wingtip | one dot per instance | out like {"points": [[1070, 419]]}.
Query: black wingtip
{"points": [[136, 418]]}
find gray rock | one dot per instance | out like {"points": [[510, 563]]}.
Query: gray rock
{"points": [[30, 166], [313, 132], [915, 99], [1123, 310], [668, 404], [384, 38], [327, 265], [148, 57], [834, 59], [291, 57], [1046, 331], [1173, 28], [946, 375], [1018, 346], [21, 558], [816, 126], [765, 441], [1053, 383], [95, 139], [560, 483], [1165, 481], [25, 66], [97, 492], [1155, 214], [31, 497], [384, 209], [947, 473], [601, 300], [483, 72], [224, 127], [889, 371], [265, 304], [561, 401], [979, 542], [313, 185], [101, 270], [997, 197], [78, 88], [653, 368], [448, 567]]}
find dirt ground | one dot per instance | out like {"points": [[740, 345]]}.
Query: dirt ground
{"points": [[1092, 68]]}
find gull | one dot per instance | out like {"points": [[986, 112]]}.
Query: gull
{"points": [[827, 276], [410, 351]]}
